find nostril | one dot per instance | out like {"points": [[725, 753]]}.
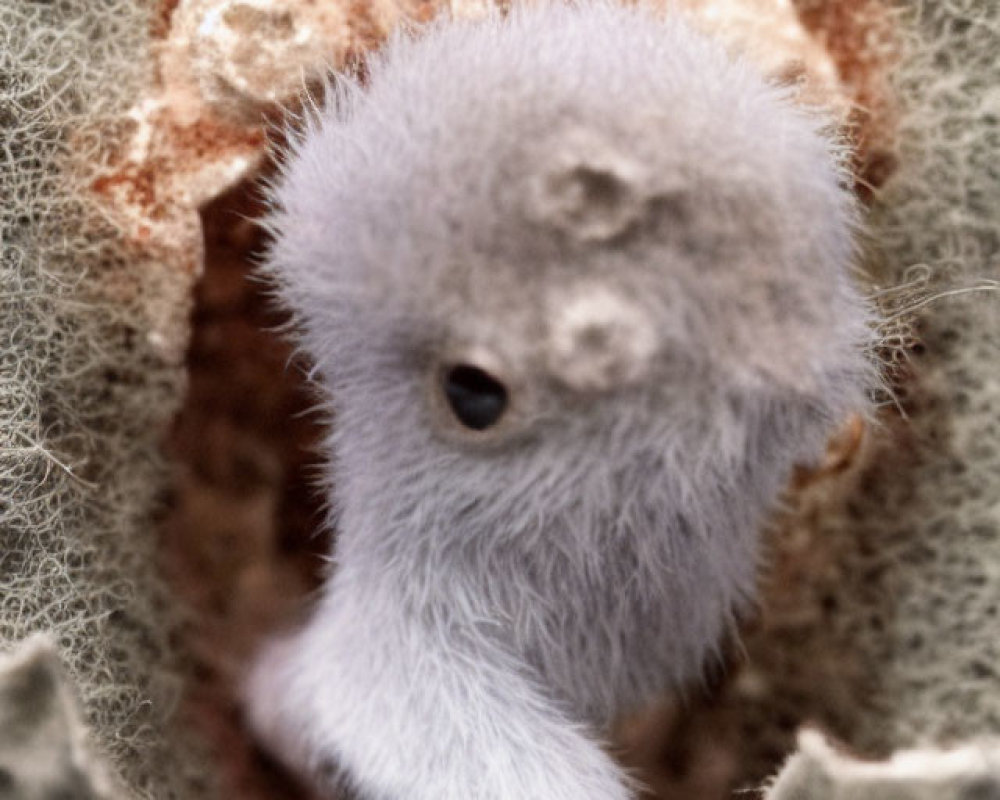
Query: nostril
{"points": [[476, 398], [598, 339]]}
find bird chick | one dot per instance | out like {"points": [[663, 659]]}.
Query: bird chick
{"points": [[576, 283]]}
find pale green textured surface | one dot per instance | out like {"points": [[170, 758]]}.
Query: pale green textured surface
{"points": [[942, 208], [83, 397]]}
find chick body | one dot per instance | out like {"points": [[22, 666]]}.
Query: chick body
{"points": [[648, 248]]}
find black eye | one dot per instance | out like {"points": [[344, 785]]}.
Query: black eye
{"points": [[478, 399]]}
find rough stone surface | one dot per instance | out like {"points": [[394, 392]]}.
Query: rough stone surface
{"points": [[44, 747], [818, 772]]}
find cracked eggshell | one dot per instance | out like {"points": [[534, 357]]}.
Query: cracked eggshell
{"points": [[771, 35], [248, 57]]}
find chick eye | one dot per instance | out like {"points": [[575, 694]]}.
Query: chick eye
{"points": [[476, 398]]}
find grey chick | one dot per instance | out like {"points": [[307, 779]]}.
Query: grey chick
{"points": [[577, 286]]}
